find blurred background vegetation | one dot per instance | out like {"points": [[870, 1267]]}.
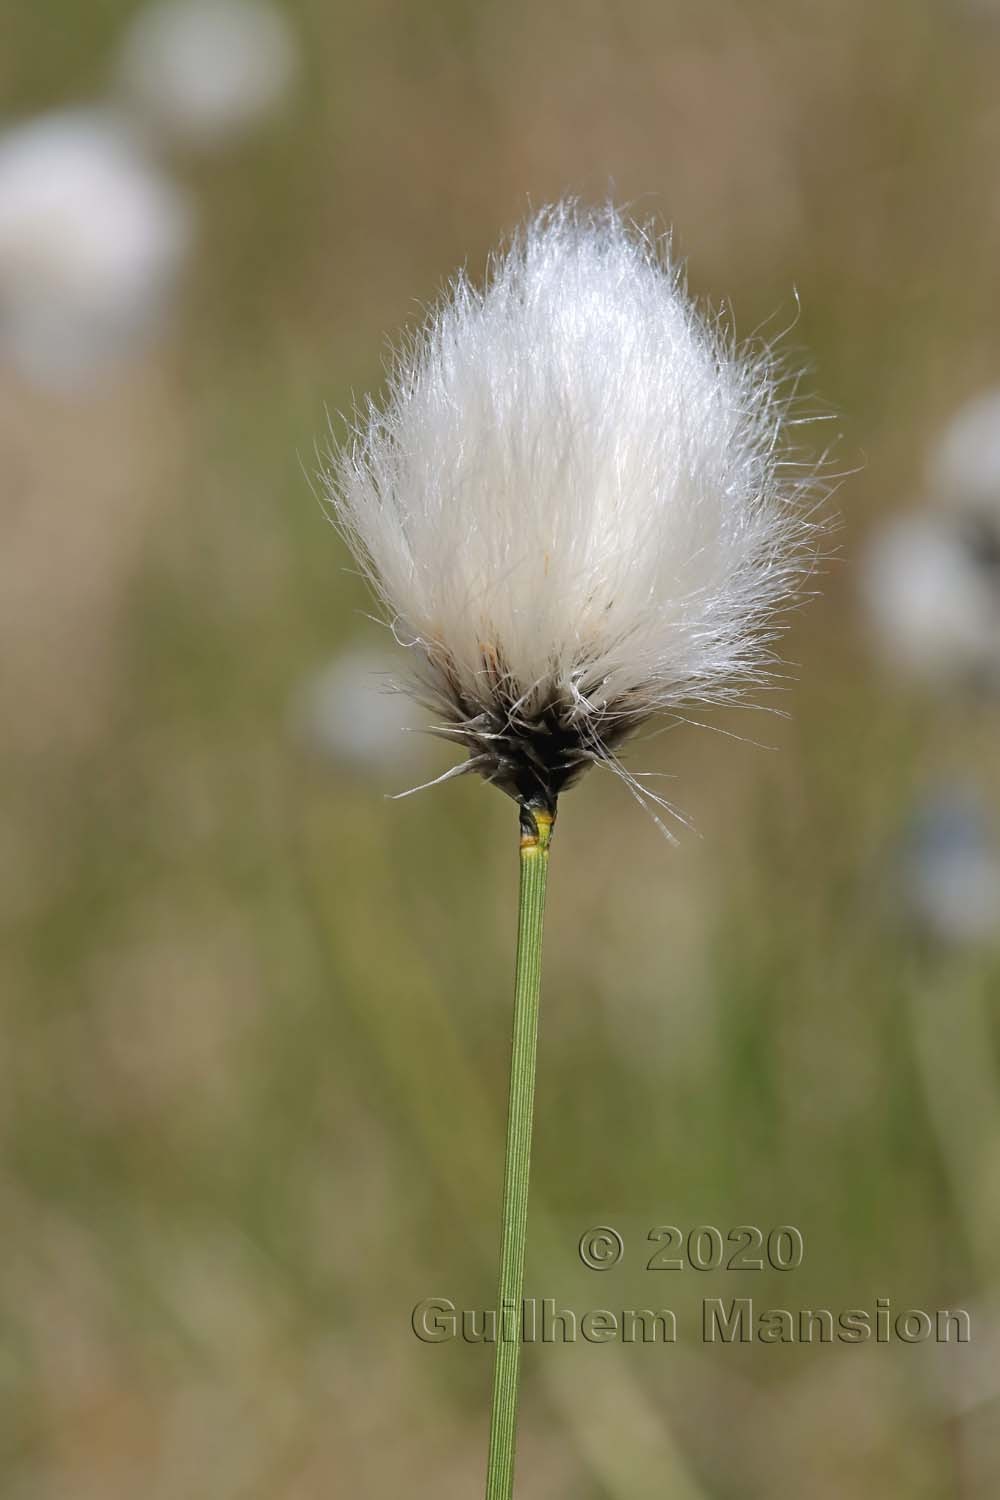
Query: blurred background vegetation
{"points": [[255, 1016]]}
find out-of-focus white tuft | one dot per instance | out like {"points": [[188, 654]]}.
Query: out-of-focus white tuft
{"points": [[352, 713], [934, 607], [965, 462], [91, 240], [207, 71], [951, 870], [575, 502]]}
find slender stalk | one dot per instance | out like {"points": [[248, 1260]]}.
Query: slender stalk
{"points": [[536, 831]]}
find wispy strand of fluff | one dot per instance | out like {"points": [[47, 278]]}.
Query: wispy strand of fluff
{"points": [[575, 502]]}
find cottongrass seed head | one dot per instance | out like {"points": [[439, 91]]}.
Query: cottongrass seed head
{"points": [[575, 503]]}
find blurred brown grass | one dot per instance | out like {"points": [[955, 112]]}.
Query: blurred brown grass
{"points": [[255, 1021]]}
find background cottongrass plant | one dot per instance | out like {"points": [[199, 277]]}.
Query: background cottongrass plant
{"points": [[205, 72], [92, 239], [949, 865], [577, 510], [932, 605], [964, 464], [94, 231], [931, 576], [350, 713]]}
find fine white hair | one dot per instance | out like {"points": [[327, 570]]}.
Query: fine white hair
{"points": [[575, 501]]}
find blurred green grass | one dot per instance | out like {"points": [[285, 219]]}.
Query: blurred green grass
{"points": [[256, 1017]]}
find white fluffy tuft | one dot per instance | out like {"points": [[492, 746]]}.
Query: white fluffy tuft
{"points": [[573, 501]]}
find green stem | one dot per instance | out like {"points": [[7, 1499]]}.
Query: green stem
{"points": [[536, 831]]}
